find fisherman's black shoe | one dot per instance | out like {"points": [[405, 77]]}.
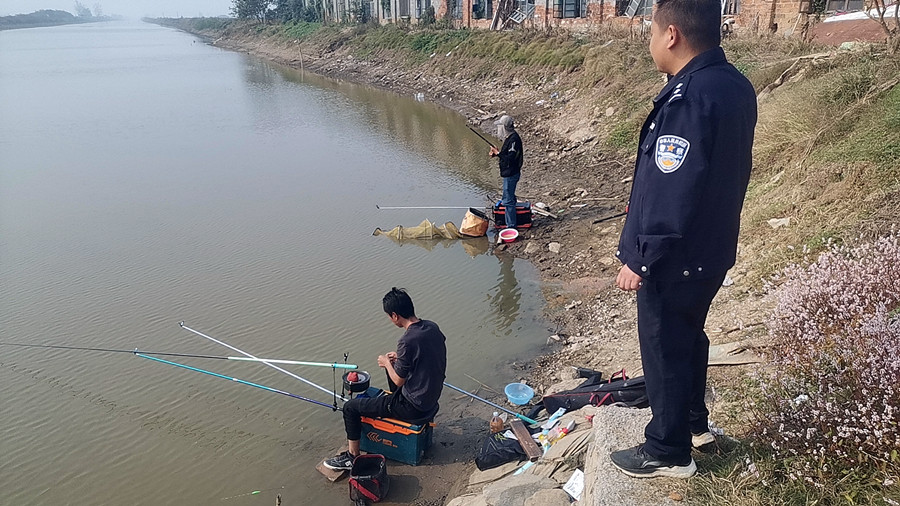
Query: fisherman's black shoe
{"points": [[634, 462], [340, 462]]}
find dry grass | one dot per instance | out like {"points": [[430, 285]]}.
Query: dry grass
{"points": [[826, 156]]}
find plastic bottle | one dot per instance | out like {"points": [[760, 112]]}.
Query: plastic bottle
{"points": [[496, 423]]}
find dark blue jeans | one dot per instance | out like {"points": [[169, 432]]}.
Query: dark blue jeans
{"points": [[509, 199], [675, 353]]}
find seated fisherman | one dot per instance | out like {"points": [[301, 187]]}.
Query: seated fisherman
{"points": [[417, 369]]}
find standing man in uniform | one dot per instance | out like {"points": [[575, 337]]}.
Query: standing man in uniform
{"points": [[417, 369], [680, 235], [511, 157]]}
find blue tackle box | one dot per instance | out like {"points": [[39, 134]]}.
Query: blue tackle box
{"points": [[395, 439]]}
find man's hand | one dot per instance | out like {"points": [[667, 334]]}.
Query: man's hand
{"points": [[494, 151], [627, 280], [385, 360], [392, 356]]}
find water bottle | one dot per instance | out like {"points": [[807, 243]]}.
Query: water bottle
{"points": [[496, 423]]}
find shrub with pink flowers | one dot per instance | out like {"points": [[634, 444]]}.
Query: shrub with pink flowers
{"points": [[831, 400]]}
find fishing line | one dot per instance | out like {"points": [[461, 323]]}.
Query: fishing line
{"points": [[255, 492], [334, 365], [264, 361], [237, 380]]}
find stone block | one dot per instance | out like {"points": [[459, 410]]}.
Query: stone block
{"points": [[514, 490], [549, 497]]}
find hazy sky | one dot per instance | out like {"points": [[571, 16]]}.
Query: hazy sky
{"points": [[128, 8]]}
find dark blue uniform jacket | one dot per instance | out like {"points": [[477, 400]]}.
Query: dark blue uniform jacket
{"points": [[691, 174]]}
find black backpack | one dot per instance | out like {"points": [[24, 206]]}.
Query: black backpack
{"points": [[618, 389]]}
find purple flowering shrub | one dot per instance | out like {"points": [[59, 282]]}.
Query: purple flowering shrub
{"points": [[831, 401]]}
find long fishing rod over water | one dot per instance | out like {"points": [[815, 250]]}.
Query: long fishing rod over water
{"points": [[243, 382], [151, 355], [334, 365], [268, 363], [491, 144]]}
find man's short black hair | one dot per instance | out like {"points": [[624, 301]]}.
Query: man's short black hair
{"points": [[398, 301], [698, 20]]}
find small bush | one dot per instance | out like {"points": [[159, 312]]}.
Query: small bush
{"points": [[427, 18], [830, 410]]}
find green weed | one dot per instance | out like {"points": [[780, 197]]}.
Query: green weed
{"points": [[299, 30], [624, 136]]}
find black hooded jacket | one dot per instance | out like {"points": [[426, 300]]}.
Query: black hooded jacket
{"points": [[511, 155]]}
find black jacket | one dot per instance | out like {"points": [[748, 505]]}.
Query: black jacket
{"points": [[511, 155], [691, 174]]}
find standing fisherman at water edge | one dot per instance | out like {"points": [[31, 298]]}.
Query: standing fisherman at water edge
{"points": [[416, 370], [680, 236], [510, 157]]}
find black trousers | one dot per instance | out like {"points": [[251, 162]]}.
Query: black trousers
{"points": [[392, 405], [675, 353]]}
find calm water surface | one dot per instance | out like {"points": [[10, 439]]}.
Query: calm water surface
{"points": [[146, 179]]}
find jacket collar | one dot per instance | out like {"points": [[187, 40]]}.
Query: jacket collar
{"points": [[709, 57]]}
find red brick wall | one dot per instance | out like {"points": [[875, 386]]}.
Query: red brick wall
{"points": [[758, 15]]}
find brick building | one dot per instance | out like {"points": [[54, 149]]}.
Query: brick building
{"points": [[786, 17]]}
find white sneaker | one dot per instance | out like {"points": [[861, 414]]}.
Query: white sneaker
{"points": [[701, 440]]}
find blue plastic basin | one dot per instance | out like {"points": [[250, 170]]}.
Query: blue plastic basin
{"points": [[518, 393]]}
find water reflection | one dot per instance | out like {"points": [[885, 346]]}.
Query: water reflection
{"points": [[440, 135], [505, 297], [473, 246]]}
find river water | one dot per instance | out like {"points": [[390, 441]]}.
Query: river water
{"points": [[146, 179]]}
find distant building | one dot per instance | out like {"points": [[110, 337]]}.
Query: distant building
{"points": [[776, 16]]}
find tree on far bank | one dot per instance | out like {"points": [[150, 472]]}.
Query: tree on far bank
{"points": [[298, 10], [256, 9], [82, 11]]}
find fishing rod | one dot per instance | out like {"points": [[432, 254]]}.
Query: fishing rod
{"points": [[489, 403], [607, 218], [422, 207], [189, 355], [491, 144], [264, 361], [243, 382]]}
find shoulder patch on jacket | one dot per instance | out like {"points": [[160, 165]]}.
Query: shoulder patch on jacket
{"points": [[679, 90], [671, 151]]}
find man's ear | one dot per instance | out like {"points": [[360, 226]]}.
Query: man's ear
{"points": [[672, 36]]}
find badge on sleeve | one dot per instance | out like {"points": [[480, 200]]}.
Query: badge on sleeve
{"points": [[671, 151]]}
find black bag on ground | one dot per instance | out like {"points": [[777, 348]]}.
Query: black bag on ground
{"points": [[369, 481], [497, 450], [619, 390]]}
